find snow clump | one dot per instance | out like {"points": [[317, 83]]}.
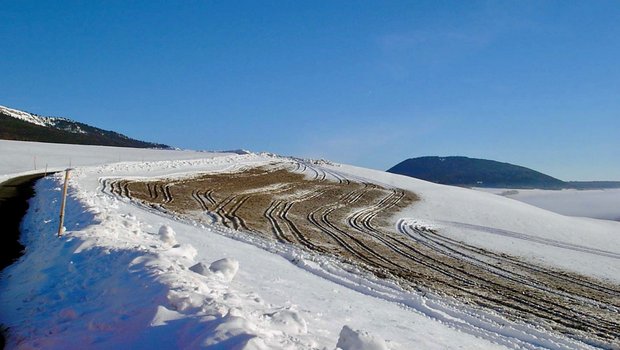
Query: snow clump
{"points": [[167, 235], [200, 269], [359, 340], [227, 268], [288, 321]]}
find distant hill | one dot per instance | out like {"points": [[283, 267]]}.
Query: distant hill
{"points": [[24, 126], [471, 172]]}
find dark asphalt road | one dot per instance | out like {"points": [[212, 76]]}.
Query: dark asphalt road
{"points": [[14, 196]]}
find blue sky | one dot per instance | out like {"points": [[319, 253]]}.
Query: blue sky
{"points": [[366, 83]]}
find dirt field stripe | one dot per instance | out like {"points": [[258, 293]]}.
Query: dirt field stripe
{"points": [[196, 197], [327, 227], [168, 194], [126, 192], [293, 228], [209, 196], [219, 210], [239, 222], [275, 227], [148, 188]]}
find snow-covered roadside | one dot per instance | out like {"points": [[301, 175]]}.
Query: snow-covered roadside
{"points": [[115, 282], [21, 157], [596, 204]]}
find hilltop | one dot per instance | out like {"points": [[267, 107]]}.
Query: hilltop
{"points": [[23, 126], [472, 172]]}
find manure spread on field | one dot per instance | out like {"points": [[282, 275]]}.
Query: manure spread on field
{"points": [[330, 214]]}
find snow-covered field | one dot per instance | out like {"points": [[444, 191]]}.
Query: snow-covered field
{"points": [[597, 204], [20, 158], [126, 277]]}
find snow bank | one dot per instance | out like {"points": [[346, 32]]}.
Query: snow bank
{"points": [[23, 157], [108, 283]]}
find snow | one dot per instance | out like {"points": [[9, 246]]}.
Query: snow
{"points": [[226, 268], [42, 121], [200, 268], [25, 116], [586, 246], [167, 235], [358, 340], [112, 282], [125, 277], [20, 158], [597, 204]]}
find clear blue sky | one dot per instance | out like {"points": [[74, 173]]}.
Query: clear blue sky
{"points": [[367, 83]]}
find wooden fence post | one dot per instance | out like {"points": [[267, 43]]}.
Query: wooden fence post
{"points": [[62, 205]]}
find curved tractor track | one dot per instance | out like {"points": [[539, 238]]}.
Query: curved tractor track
{"points": [[323, 211]]}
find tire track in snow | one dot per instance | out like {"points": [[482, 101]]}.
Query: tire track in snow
{"points": [[543, 307], [471, 252]]}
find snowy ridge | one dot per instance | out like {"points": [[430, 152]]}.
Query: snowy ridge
{"points": [[63, 130], [27, 117], [53, 122]]}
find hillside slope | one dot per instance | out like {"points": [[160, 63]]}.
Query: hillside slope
{"points": [[23, 126], [464, 171], [167, 290]]}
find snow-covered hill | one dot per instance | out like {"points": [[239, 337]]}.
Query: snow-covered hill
{"points": [[29, 117], [24, 126], [126, 277], [21, 157]]}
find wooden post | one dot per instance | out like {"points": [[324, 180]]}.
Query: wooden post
{"points": [[62, 205]]}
